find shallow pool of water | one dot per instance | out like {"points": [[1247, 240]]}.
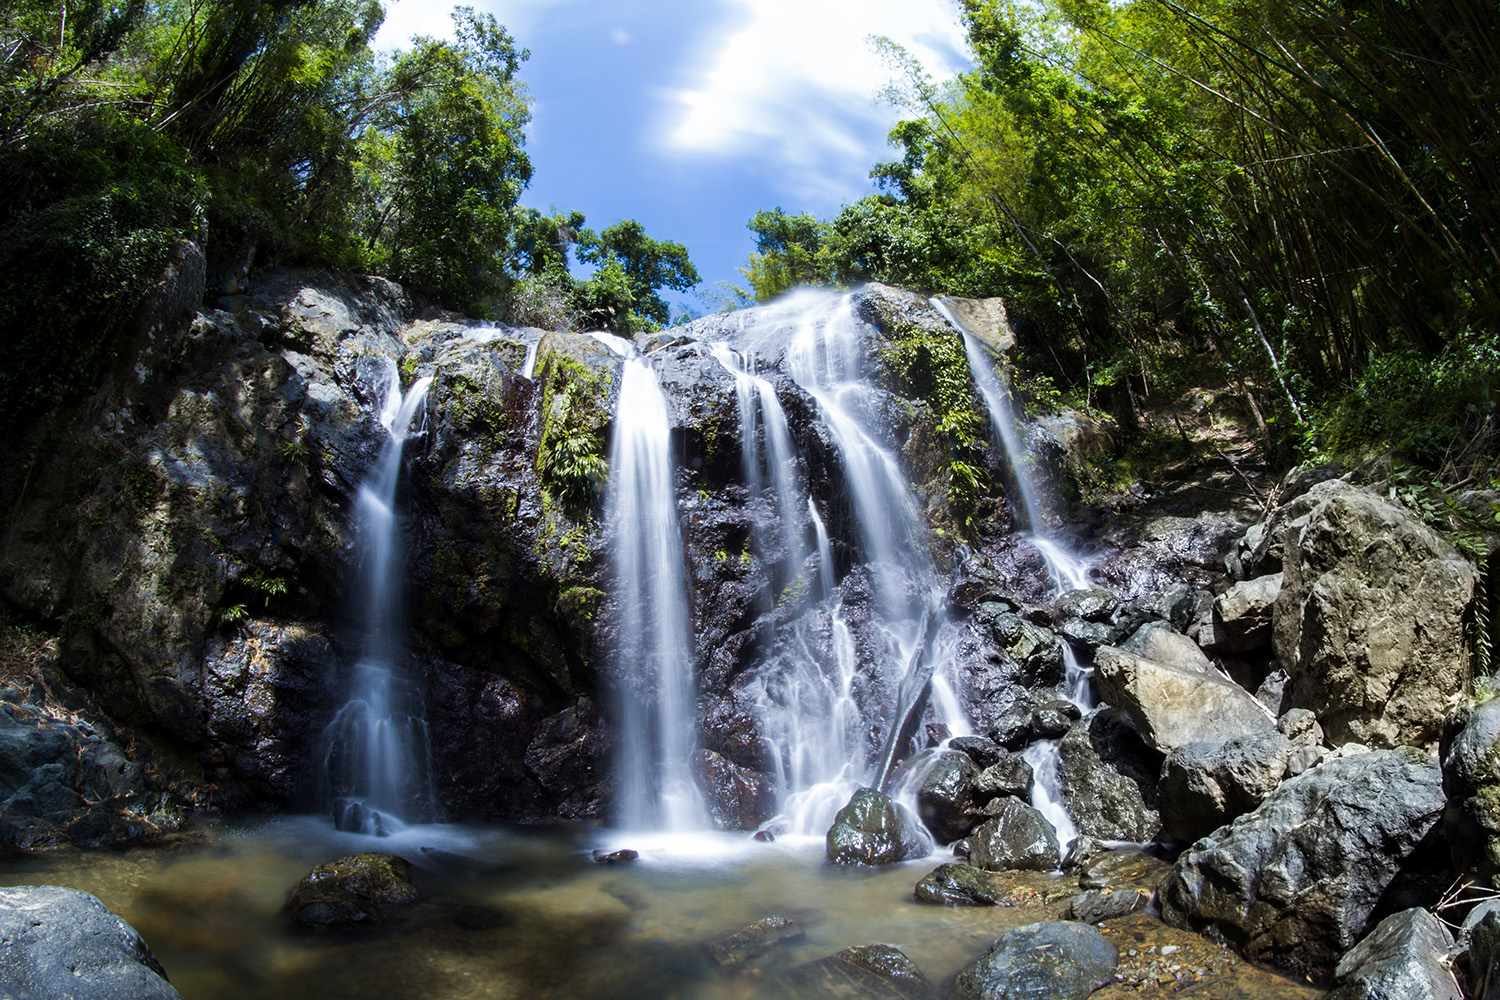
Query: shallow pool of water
{"points": [[515, 914]]}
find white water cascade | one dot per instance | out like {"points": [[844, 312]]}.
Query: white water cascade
{"points": [[653, 656], [376, 748], [809, 702], [1069, 572]]}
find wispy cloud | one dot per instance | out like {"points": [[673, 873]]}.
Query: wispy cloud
{"points": [[790, 89], [406, 18]]}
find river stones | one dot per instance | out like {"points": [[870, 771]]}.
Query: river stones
{"points": [[352, 890], [1095, 906], [1405, 956], [1057, 960], [1297, 880], [65, 943], [873, 830], [1015, 836], [956, 884], [738, 947], [1370, 622]]}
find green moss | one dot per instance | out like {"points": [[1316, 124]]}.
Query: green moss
{"points": [[571, 465], [472, 407], [579, 604]]}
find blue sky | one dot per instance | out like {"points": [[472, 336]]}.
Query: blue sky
{"points": [[691, 116]]}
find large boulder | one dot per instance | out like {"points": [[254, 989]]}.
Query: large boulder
{"points": [[1059, 961], [65, 943], [1471, 776], [1108, 778], [947, 802], [1302, 878], [1170, 705], [1205, 785], [1016, 836], [1407, 955], [1241, 616], [873, 830], [1370, 622]]}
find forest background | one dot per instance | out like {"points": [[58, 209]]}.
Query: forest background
{"points": [[1295, 202]]}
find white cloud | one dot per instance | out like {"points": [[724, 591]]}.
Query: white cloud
{"points": [[792, 89]]}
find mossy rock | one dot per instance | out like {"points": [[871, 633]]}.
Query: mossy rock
{"points": [[352, 890]]}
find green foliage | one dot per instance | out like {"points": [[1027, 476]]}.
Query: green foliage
{"points": [[624, 294], [570, 456]]}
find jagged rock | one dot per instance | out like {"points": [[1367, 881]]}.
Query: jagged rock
{"points": [[352, 890], [1370, 622], [1010, 775], [1483, 959], [1260, 551], [1086, 633], [957, 885], [1060, 961], [737, 798], [1170, 706], [1051, 720], [740, 946], [1092, 605], [1273, 692], [1108, 778], [1406, 955], [873, 830], [62, 782], [1300, 879], [1205, 785], [1242, 615], [1035, 651], [1471, 777], [1160, 642], [1096, 905], [65, 943], [946, 798], [1015, 836], [983, 752]]}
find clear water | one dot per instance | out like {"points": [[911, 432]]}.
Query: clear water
{"points": [[511, 915]]}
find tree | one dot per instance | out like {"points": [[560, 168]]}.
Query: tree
{"points": [[646, 265]]}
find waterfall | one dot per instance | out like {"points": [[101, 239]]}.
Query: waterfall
{"points": [[376, 748], [654, 649], [1069, 572]]}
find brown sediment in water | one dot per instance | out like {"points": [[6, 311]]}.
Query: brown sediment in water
{"points": [[511, 915]]}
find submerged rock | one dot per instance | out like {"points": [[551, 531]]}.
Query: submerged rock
{"points": [[1058, 961], [956, 884], [1370, 622], [1405, 956], [740, 946], [352, 890], [863, 972], [65, 943], [1299, 880], [873, 830]]}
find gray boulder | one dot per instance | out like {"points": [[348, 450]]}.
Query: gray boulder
{"points": [[1259, 552], [1108, 778], [1034, 650], [1015, 836], [1055, 960], [1484, 956], [1405, 956], [1009, 775], [1205, 785], [1160, 642], [1242, 615], [65, 943], [873, 830], [1370, 622], [1299, 879], [1170, 705], [1471, 776]]}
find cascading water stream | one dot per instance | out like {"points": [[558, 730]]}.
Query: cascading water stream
{"points": [[376, 760], [654, 649]]}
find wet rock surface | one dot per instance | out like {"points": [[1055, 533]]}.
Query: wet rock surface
{"points": [[958, 885], [1015, 836], [1302, 878], [1108, 777], [740, 946], [1066, 961], [65, 943], [873, 830], [1406, 955], [352, 890]]}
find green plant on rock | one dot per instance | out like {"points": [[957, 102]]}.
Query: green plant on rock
{"points": [[571, 463]]}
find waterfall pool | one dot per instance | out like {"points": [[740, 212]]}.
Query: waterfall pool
{"points": [[512, 914]]}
